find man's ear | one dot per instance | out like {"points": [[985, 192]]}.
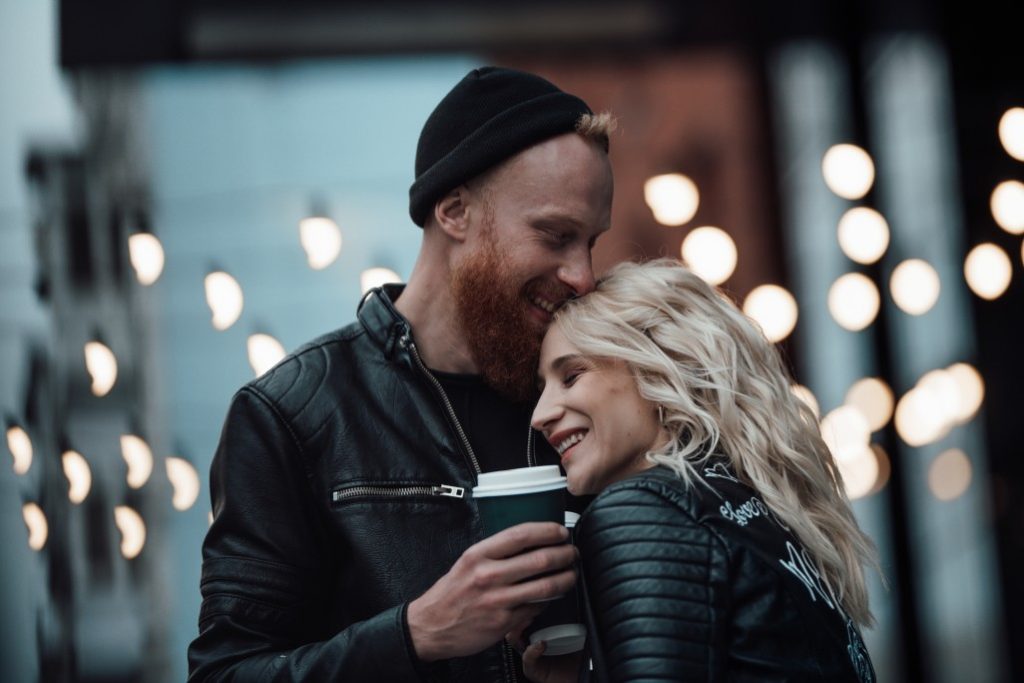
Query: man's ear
{"points": [[451, 213]]}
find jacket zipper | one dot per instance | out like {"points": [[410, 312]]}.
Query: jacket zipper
{"points": [[407, 342], [444, 490]]}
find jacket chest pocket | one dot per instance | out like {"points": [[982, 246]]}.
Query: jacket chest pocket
{"points": [[394, 491]]}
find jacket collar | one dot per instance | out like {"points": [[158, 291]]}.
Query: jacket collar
{"points": [[381, 320]]}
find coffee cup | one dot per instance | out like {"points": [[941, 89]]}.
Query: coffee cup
{"points": [[559, 625], [527, 494]]}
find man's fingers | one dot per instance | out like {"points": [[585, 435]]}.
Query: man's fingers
{"points": [[540, 588], [516, 539], [537, 562]]}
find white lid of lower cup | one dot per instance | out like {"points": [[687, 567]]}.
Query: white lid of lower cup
{"points": [[522, 480], [561, 639]]}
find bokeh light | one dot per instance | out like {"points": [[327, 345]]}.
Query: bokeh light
{"points": [[20, 446], [874, 399], [970, 390], [76, 469], [377, 277], [848, 171], [147, 257], [846, 432], [884, 468], [1011, 132], [949, 475], [807, 396], [224, 297], [945, 393], [915, 286], [185, 482], [863, 235], [919, 418], [321, 240], [988, 270], [101, 365], [859, 471], [853, 301], [672, 197], [38, 529], [133, 531], [264, 352], [774, 309], [1007, 206], [139, 458], [710, 253]]}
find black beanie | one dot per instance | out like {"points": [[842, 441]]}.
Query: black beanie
{"points": [[489, 116]]}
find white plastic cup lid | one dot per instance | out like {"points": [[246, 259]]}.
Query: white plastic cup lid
{"points": [[520, 481], [571, 518]]}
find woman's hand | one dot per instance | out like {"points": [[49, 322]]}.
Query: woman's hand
{"points": [[560, 669]]}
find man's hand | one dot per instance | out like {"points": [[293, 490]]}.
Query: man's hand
{"points": [[489, 591]]}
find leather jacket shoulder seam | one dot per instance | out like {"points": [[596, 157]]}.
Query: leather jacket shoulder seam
{"points": [[265, 400]]}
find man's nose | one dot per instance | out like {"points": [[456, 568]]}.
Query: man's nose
{"points": [[578, 274]]}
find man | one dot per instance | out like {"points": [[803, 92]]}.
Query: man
{"points": [[345, 544]]}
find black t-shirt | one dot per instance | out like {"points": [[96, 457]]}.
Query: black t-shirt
{"points": [[497, 429]]}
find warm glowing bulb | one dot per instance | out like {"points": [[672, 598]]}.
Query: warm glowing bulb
{"points": [[774, 309], [139, 457], [805, 395], [988, 271], [1011, 132], [863, 235], [915, 286], [846, 432], [1007, 206], [264, 352], [185, 482], [970, 390], [147, 257], [21, 448], [853, 301], [38, 529], [76, 469], [949, 474], [859, 471], [377, 277], [945, 394], [133, 530], [224, 296], [101, 364], [321, 239], [919, 417], [848, 171], [673, 198], [710, 253], [874, 399]]}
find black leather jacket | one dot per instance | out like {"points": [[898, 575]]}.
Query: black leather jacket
{"points": [[339, 495], [706, 584]]}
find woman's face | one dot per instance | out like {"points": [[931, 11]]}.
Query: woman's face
{"points": [[591, 412]]}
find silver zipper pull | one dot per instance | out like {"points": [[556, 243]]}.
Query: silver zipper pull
{"points": [[450, 491]]}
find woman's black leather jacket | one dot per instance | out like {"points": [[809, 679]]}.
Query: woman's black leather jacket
{"points": [[706, 584], [339, 495]]}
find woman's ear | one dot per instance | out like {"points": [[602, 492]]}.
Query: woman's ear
{"points": [[451, 213]]}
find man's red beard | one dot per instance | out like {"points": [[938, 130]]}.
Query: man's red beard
{"points": [[503, 339]]}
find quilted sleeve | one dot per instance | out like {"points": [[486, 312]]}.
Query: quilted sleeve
{"points": [[655, 582]]}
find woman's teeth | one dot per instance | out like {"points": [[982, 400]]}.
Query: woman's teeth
{"points": [[570, 441]]}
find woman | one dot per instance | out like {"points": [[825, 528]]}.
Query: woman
{"points": [[721, 546]]}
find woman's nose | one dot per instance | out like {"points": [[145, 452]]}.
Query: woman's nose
{"points": [[546, 413]]}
